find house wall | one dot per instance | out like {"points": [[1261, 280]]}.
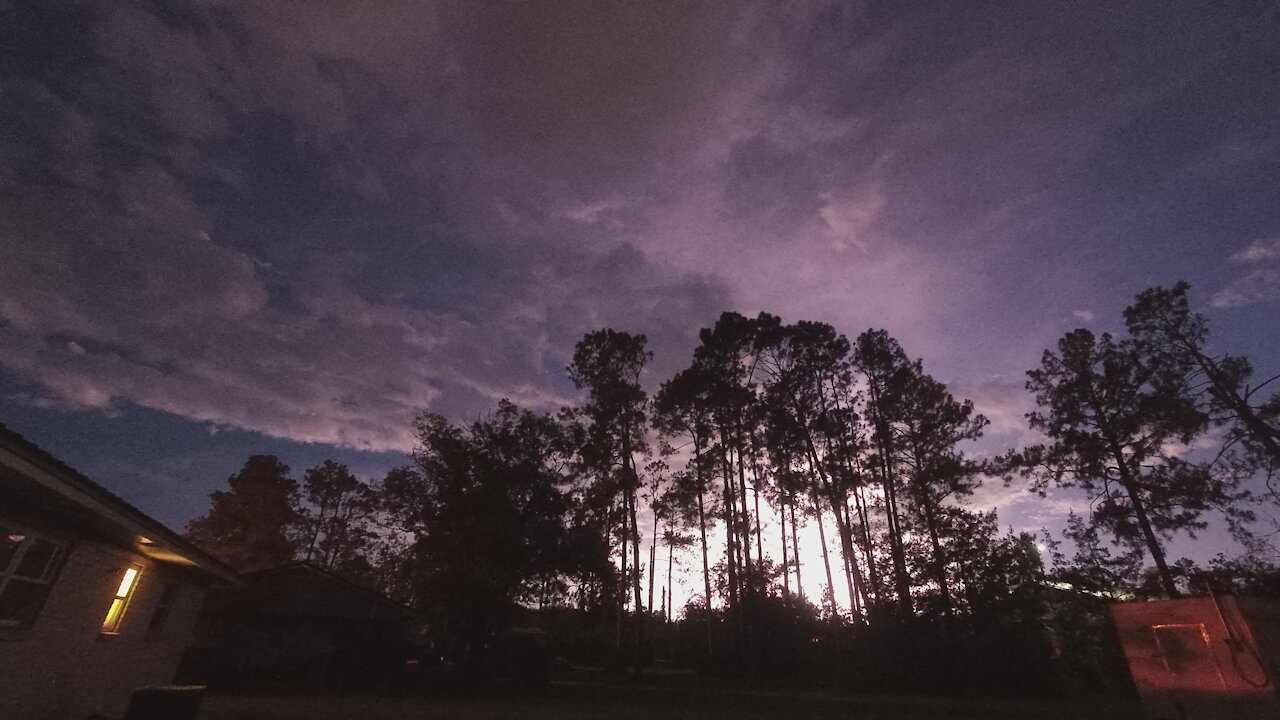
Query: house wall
{"points": [[64, 668], [1202, 658]]}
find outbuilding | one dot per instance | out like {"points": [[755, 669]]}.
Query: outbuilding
{"points": [[301, 626]]}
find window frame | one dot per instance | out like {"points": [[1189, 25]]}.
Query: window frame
{"points": [[50, 572], [119, 606], [163, 609]]}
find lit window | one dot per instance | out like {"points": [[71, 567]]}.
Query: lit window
{"points": [[120, 602], [29, 564]]}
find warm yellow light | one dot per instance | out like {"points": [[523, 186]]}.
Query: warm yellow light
{"points": [[127, 583], [115, 613]]}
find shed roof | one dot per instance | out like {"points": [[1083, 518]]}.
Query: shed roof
{"points": [[301, 589]]}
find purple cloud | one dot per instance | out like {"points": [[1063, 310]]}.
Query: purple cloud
{"points": [[316, 222]]}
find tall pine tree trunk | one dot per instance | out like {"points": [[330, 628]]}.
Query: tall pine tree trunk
{"points": [[744, 522], [853, 572], [795, 548], [786, 564], [884, 442], [1144, 523], [939, 557], [622, 590], [901, 579], [671, 598], [755, 489], [864, 538], [653, 558], [846, 551], [635, 573], [760, 571], [830, 595], [706, 566], [730, 533]]}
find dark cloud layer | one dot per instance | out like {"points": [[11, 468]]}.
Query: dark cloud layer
{"points": [[314, 220], [242, 224]]}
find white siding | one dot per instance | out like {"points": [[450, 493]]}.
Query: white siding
{"points": [[63, 667]]}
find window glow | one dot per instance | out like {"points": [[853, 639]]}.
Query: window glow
{"points": [[115, 613], [127, 583]]}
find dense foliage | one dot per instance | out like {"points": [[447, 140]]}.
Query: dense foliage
{"points": [[773, 429]]}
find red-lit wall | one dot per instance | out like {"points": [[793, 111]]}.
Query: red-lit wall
{"points": [[1203, 658]]}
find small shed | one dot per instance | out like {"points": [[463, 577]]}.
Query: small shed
{"points": [[96, 598], [300, 625]]}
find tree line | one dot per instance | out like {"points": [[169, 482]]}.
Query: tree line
{"points": [[773, 428]]}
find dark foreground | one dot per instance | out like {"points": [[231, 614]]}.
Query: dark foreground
{"points": [[625, 699]]}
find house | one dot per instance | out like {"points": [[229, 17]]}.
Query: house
{"points": [[299, 625], [96, 598]]}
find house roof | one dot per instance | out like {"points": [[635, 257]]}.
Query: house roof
{"points": [[31, 477], [302, 589]]}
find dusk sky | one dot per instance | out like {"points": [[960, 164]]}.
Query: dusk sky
{"points": [[230, 228]]}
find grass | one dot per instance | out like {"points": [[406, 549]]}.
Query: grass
{"points": [[624, 700]]}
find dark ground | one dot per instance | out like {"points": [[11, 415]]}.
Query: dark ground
{"points": [[651, 698]]}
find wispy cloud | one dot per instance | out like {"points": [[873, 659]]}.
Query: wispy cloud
{"points": [[1259, 251], [315, 222], [1260, 280]]}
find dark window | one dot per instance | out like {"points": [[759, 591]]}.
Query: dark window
{"points": [[37, 561], [29, 565], [164, 607]]}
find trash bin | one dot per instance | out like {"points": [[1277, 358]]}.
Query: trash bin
{"points": [[165, 702]]}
